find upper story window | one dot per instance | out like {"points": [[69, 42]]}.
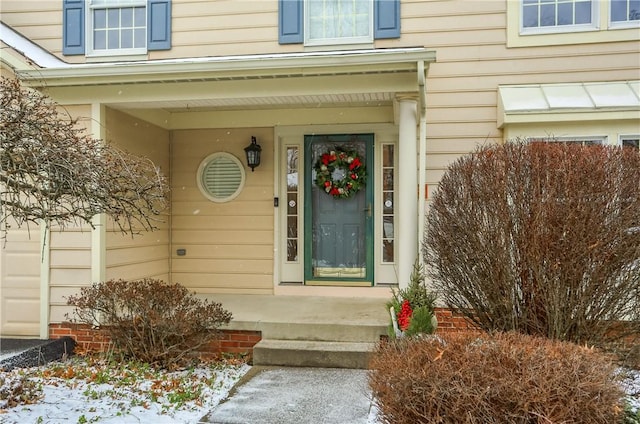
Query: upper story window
{"points": [[563, 22], [336, 22], [115, 27], [625, 13], [540, 16]]}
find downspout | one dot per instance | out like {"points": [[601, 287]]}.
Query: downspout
{"points": [[422, 155]]}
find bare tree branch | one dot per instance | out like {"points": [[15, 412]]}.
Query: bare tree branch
{"points": [[52, 172]]}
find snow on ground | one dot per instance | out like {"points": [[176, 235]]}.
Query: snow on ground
{"points": [[631, 386], [86, 393]]}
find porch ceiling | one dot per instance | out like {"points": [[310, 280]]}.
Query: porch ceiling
{"points": [[261, 102]]}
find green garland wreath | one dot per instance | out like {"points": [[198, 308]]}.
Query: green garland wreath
{"points": [[340, 173]]}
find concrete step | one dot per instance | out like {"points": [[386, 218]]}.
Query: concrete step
{"points": [[333, 332], [305, 353]]}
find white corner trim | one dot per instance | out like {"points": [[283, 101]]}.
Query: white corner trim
{"points": [[45, 277]]}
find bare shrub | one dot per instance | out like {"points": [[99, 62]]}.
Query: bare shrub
{"points": [[541, 238], [52, 172], [504, 378], [149, 320]]}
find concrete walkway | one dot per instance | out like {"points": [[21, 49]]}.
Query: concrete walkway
{"points": [[297, 396]]}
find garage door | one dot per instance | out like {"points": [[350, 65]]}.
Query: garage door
{"points": [[20, 284]]}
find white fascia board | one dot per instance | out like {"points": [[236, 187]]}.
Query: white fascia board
{"points": [[569, 116], [239, 66], [30, 50]]}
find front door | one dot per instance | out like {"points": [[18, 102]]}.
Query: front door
{"points": [[339, 209]]}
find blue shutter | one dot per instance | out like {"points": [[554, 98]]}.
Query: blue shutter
{"points": [[158, 24], [290, 21], [386, 19], [73, 27]]}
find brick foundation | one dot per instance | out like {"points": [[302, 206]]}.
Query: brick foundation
{"points": [[453, 322], [239, 342], [89, 339]]}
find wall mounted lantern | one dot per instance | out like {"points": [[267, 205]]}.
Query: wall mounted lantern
{"points": [[253, 154]]}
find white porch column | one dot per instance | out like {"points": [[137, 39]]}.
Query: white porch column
{"points": [[406, 225]]}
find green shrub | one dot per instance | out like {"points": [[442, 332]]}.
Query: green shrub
{"points": [[419, 308], [631, 416], [149, 320], [504, 378]]}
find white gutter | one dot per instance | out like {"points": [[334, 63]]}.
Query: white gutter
{"points": [[422, 155]]}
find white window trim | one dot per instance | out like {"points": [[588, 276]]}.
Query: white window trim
{"points": [[91, 6], [340, 40], [623, 25], [559, 29]]}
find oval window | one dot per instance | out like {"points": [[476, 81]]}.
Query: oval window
{"points": [[220, 177]]}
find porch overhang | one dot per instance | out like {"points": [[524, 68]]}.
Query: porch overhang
{"points": [[244, 67], [575, 102], [179, 94]]}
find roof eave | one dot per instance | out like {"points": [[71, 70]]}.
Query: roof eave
{"points": [[267, 65]]}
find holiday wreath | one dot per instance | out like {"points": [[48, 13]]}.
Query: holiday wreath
{"points": [[340, 173]]}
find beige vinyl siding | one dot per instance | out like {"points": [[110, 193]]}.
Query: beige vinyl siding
{"points": [[40, 21], [71, 251], [70, 247], [146, 254], [229, 246]]}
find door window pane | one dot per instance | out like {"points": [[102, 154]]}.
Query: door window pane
{"points": [[388, 193], [292, 204]]}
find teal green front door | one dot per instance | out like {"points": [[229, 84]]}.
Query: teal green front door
{"points": [[339, 210]]}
